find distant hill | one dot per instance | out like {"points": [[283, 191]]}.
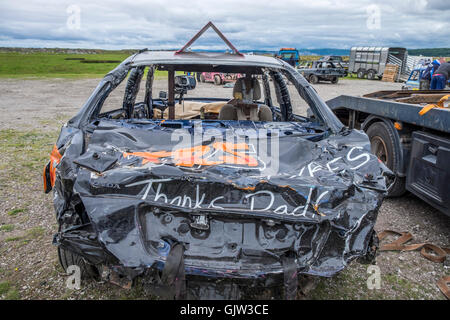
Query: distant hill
{"points": [[430, 52], [434, 52], [307, 52]]}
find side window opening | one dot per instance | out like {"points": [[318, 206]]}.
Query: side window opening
{"points": [[290, 98], [114, 100], [128, 97]]}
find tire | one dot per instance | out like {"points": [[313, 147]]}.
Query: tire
{"points": [[371, 75], [361, 73], [313, 79], [217, 80], [335, 80], [68, 258], [383, 145], [202, 78]]}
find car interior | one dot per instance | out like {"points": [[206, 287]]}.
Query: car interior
{"points": [[257, 96]]}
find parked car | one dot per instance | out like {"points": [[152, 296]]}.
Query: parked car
{"points": [[219, 78], [241, 190], [320, 70], [336, 59]]}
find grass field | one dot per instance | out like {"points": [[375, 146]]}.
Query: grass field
{"points": [[56, 65], [64, 65]]}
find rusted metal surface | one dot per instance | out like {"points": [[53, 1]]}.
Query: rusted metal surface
{"points": [[394, 94], [436, 119]]}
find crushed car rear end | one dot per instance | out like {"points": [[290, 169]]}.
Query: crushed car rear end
{"points": [[184, 202]]}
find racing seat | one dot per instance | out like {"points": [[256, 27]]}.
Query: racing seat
{"points": [[242, 107]]}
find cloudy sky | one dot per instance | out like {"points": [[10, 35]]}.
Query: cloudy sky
{"points": [[263, 24]]}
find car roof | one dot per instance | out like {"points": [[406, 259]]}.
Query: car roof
{"points": [[204, 58]]}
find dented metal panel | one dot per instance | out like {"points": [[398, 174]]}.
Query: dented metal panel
{"points": [[216, 199]]}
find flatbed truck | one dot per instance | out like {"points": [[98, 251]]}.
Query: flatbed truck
{"points": [[415, 147]]}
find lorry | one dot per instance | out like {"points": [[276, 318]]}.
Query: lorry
{"points": [[290, 55], [413, 143], [370, 62]]}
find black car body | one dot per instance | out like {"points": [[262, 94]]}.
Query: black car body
{"points": [[322, 70], [336, 59], [130, 205]]}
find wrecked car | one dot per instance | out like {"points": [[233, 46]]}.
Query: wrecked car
{"points": [[218, 78], [207, 197], [322, 70]]}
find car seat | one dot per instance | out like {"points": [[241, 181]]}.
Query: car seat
{"points": [[246, 92]]}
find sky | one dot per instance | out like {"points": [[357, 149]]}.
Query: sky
{"points": [[249, 25]]}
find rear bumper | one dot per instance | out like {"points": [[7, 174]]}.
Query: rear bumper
{"points": [[135, 237]]}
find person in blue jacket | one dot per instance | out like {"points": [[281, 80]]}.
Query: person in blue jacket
{"points": [[440, 76], [428, 73]]}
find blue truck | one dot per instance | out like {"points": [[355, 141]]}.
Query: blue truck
{"points": [[290, 55]]}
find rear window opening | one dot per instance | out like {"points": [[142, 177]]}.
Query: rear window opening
{"points": [[254, 94]]}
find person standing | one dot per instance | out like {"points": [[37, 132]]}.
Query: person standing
{"points": [[427, 74], [440, 76]]}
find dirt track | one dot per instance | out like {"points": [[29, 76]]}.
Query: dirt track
{"points": [[31, 113], [33, 102]]}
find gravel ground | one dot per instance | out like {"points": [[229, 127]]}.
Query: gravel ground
{"points": [[32, 112]]}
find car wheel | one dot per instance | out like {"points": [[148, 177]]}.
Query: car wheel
{"points": [[382, 145], [361, 74], [371, 75], [68, 258], [313, 79], [217, 80], [335, 80], [202, 78]]}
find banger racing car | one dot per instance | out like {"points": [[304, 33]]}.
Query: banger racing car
{"points": [[206, 197]]}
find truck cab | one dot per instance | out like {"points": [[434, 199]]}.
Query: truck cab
{"points": [[290, 55]]}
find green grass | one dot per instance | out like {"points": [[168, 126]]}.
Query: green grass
{"points": [[8, 291], [24, 156], [4, 287], [10, 239], [15, 212], [35, 232], [54, 65], [43, 65], [12, 294], [7, 227]]}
